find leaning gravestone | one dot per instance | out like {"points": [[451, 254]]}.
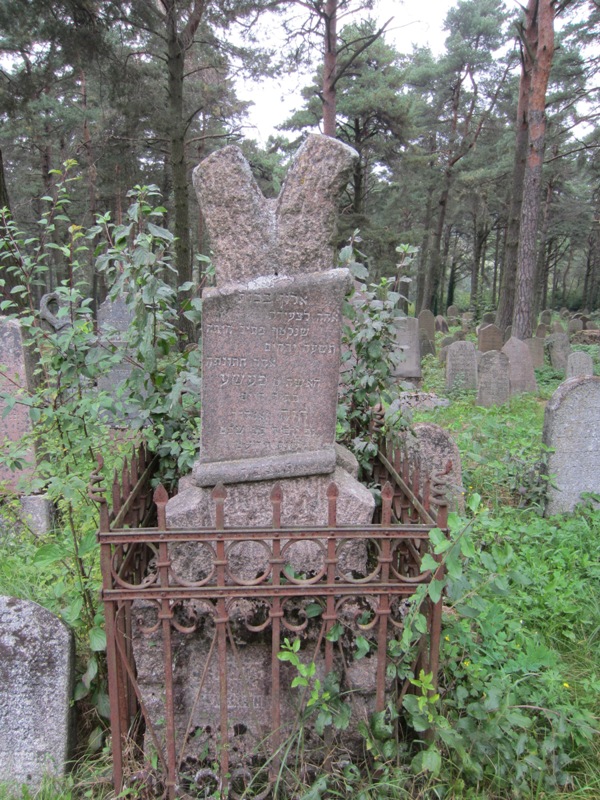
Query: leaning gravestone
{"points": [[441, 326], [559, 348], [520, 367], [572, 434], [36, 682], [579, 363], [427, 323], [489, 337], [461, 366], [407, 344], [271, 356], [493, 386]]}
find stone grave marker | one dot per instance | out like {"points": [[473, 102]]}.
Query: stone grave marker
{"points": [[541, 331], [427, 323], [575, 325], [564, 313], [36, 683], [441, 326], [493, 385], [489, 318], [520, 367], [558, 327], [453, 312], [559, 348], [427, 345], [546, 317], [434, 447], [407, 343], [114, 318], [579, 363], [572, 432], [536, 349], [461, 366], [489, 337]]}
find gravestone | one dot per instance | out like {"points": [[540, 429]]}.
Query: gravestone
{"points": [[489, 337], [434, 449], [407, 343], [541, 331], [16, 380], [520, 367], [558, 348], [453, 312], [441, 326], [558, 327], [461, 366], [579, 363], [572, 434], [36, 683], [427, 323], [114, 319], [493, 385], [564, 313], [575, 325], [426, 345], [536, 349], [546, 317], [489, 318]]}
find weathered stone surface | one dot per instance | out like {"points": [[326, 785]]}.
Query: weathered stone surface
{"points": [[493, 387], [453, 312], [271, 356], [407, 342], [558, 348], [114, 319], [50, 302], [489, 337], [427, 323], [420, 400], [546, 318], [461, 366], [520, 367], [346, 459], [558, 327], [426, 345], [36, 682], [564, 313], [489, 318], [441, 326], [579, 363], [536, 350], [37, 513], [251, 236], [435, 449], [572, 432], [541, 331], [575, 325], [16, 380]]}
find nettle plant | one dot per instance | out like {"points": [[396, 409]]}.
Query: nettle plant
{"points": [[369, 359], [72, 418]]}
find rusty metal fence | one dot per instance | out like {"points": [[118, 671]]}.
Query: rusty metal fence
{"points": [[181, 647]]}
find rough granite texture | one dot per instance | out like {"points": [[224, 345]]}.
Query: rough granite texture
{"points": [[572, 431], [252, 236], [434, 448], [493, 386], [461, 366], [36, 682]]}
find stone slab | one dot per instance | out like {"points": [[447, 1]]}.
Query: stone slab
{"points": [[461, 366], [427, 323], [572, 432], [559, 348], [36, 682], [493, 387], [407, 342], [579, 363], [520, 367], [271, 357], [536, 350], [489, 337]]}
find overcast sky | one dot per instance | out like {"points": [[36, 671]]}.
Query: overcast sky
{"points": [[414, 22]]}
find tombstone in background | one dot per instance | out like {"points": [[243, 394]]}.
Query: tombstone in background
{"points": [[572, 434], [407, 343], [559, 348], [558, 327], [493, 384], [541, 331], [461, 366], [453, 312], [575, 325], [546, 317], [579, 363], [536, 349], [16, 364], [489, 337], [467, 318], [114, 319], [489, 318], [427, 323], [564, 313], [520, 367], [507, 333], [36, 685], [441, 326], [426, 345], [434, 448]]}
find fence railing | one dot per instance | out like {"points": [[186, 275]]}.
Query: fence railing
{"points": [[197, 620]]}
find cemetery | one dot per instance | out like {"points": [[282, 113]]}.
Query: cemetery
{"points": [[300, 445]]}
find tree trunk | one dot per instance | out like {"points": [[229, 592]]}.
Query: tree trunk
{"points": [[432, 279], [524, 298], [329, 68], [506, 299], [4, 201]]}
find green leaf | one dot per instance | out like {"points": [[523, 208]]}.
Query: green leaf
{"points": [[435, 590], [362, 647], [49, 554], [97, 639], [432, 760], [313, 610]]}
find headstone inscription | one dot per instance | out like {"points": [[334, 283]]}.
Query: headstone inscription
{"points": [[579, 363], [489, 337], [461, 366], [520, 367], [493, 386], [572, 434], [36, 682], [15, 379]]}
